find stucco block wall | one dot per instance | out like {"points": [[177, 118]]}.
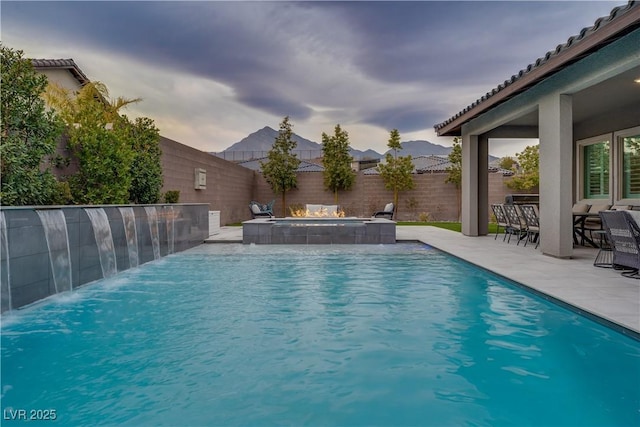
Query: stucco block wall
{"points": [[229, 186], [431, 195]]}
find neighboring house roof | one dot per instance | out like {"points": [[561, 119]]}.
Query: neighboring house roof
{"points": [[304, 165], [371, 171], [433, 163], [421, 164], [622, 20], [436, 164], [69, 64]]}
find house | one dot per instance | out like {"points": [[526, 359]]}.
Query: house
{"points": [[63, 72], [582, 101]]}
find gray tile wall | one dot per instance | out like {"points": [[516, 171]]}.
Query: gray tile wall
{"points": [[260, 231], [25, 266]]}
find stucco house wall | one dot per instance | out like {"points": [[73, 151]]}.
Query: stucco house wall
{"points": [[63, 78]]}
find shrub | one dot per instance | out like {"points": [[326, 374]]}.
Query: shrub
{"points": [[172, 196]]}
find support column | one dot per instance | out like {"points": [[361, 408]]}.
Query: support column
{"points": [[483, 185], [556, 175], [469, 184]]}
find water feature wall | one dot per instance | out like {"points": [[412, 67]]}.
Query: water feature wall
{"points": [[5, 272], [57, 238], [47, 250], [152, 219], [104, 240], [131, 234]]}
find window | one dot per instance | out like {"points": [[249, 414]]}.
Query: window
{"points": [[631, 167], [608, 168], [596, 170]]}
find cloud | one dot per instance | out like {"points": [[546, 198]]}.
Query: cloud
{"points": [[212, 72]]}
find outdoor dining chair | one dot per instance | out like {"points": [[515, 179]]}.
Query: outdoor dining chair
{"points": [[501, 220], [517, 225], [531, 217], [594, 223], [623, 234]]}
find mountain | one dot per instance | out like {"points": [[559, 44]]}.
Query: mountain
{"points": [[260, 142], [422, 148], [368, 154]]}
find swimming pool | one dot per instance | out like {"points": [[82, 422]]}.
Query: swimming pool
{"points": [[314, 335]]}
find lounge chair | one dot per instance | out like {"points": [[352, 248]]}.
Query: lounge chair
{"points": [[623, 233], [260, 211], [387, 212]]}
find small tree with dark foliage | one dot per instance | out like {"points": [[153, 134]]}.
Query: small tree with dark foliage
{"points": [[336, 160], [397, 170], [280, 168]]}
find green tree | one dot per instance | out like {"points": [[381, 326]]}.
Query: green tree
{"points": [[146, 169], [396, 171], [508, 163], [528, 177], [280, 168], [336, 160], [454, 170], [101, 141], [29, 134]]}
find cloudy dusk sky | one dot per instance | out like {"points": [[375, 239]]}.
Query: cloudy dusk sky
{"points": [[210, 72]]}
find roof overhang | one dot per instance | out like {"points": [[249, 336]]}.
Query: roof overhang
{"points": [[67, 64], [620, 22]]}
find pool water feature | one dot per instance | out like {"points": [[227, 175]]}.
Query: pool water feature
{"points": [[152, 215], [315, 335], [104, 240], [57, 237], [131, 234]]}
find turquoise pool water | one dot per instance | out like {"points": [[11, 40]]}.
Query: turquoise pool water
{"points": [[395, 335]]}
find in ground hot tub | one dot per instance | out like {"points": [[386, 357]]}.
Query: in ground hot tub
{"points": [[319, 231]]}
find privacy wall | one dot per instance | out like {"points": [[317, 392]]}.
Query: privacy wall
{"points": [[48, 250], [431, 197], [228, 188]]}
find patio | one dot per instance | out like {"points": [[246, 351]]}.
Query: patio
{"points": [[597, 291]]}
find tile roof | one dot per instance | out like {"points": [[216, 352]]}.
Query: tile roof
{"points": [[436, 164], [62, 63], [621, 20], [432, 163]]}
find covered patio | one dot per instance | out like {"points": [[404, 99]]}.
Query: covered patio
{"points": [[579, 99]]}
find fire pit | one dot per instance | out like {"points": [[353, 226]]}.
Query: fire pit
{"points": [[319, 230]]}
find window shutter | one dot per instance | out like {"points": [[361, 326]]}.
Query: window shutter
{"points": [[596, 171]]}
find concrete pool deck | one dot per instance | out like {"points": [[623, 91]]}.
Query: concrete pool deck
{"points": [[598, 291]]}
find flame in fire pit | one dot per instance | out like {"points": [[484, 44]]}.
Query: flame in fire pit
{"points": [[322, 212]]}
